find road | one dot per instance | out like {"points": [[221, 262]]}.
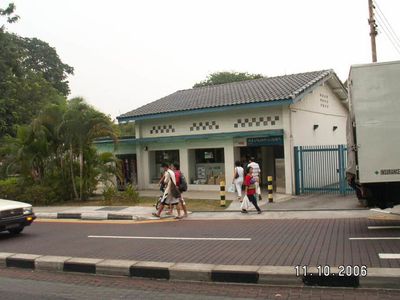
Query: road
{"points": [[331, 242], [19, 284]]}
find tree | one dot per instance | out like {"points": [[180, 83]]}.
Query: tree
{"points": [[57, 145], [31, 77], [81, 125], [226, 77], [9, 12]]}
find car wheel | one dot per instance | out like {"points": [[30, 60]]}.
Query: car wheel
{"points": [[16, 230]]}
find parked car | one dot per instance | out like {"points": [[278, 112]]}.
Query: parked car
{"points": [[14, 216]]}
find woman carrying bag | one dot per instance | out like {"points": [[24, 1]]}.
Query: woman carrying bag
{"points": [[238, 177]]}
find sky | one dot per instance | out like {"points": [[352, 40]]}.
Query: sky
{"points": [[127, 53]]}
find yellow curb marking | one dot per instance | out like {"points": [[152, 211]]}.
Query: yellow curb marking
{"points": [[76, 221]]}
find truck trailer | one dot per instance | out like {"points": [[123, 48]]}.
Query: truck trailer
{"points": [[373, 133]]}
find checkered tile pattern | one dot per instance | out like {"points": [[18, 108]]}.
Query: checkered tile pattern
{"points": [[256, 122], [208, 125], [162, 129]]}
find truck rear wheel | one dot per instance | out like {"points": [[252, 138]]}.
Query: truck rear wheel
{"points": [[382, 195]]}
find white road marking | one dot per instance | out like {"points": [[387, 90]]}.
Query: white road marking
{"points": [[374, 238], [389, 256], [383, 227], [166, 238], [380, 211]]}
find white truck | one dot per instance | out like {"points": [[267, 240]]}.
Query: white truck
{"points": [[373, 133]]}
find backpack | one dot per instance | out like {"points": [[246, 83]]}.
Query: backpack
{"points": [[183, 183]]}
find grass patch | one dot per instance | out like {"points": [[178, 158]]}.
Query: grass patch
{"points": [[192, 204]]}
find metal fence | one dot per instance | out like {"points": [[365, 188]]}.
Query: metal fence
{"points": [[321, 169]]}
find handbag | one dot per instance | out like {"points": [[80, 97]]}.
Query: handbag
{"points": [[175, 191], [245, 203], [231, 188], [237, 174]]}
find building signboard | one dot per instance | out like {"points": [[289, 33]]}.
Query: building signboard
{"points": [[265, 141]]}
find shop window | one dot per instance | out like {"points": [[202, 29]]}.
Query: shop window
{"points": [[207, 166], [128, 171], [157, 158]]}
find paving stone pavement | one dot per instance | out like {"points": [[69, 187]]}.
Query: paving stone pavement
{"points": [[16, 284]]}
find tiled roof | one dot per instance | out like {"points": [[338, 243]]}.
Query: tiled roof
{"points": [[242, 92]]}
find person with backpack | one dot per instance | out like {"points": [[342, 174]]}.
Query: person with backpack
{"points": [[181, 183], [171, 194]]}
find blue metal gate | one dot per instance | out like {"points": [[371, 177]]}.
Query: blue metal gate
{"points": [[321, 169]]}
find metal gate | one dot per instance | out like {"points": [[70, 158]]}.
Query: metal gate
{"points": [[321, 169]]}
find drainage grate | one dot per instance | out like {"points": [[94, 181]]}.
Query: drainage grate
{"points": [[113, 208]]}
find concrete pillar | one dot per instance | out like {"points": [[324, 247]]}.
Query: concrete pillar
{"points": [[288, 150], [229, 161], [141, 183], [236, 153], [184, 161], [139, 162], [267, 168]]}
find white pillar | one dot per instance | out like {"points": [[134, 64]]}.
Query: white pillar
{"points": [[184, 161], [140, 168], [288, 150], [229, 161]]}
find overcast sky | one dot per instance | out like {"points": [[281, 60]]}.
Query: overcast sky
{"points": [[127, 53]]}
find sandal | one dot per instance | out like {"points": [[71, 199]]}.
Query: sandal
{"points": [[155, 214]]}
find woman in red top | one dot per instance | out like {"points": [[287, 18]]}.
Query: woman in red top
{"points": [[250, 189]]}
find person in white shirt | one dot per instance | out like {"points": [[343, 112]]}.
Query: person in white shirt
{"points": [[256, 175], [238, 177]]}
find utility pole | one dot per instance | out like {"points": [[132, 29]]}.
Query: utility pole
{"points": [[372, 25]]}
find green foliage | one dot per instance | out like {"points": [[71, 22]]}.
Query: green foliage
{"points": [[56, 150], [45, 139], [9, 12], [31, 77], [126, 129], [129, 195], [226, 77], [9, 188]]}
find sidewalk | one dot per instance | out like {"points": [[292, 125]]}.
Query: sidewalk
{"points": [[283, 207]]}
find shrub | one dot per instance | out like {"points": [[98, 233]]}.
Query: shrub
{"points": [[39, 195], [131, 194], [10, 188], [111, 194]]}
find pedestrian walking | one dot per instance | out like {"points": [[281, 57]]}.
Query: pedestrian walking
{"points": [[182, 186], [256, 174], [171, 193], [250, 189], [238, 178]]}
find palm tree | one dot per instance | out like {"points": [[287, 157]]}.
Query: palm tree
{"points": [[81, 125]]}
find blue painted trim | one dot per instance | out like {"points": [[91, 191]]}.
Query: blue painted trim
{"points": [[121, 141], [207, 110]]}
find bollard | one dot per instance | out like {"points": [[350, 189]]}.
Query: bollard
{"points": [[222, 193], [270, 190]]}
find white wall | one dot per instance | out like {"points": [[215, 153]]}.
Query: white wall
{"points": [[219, 122], [323, 108]]}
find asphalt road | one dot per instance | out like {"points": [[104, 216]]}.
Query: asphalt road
{"points": [[19, 284], [249, 242]]}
